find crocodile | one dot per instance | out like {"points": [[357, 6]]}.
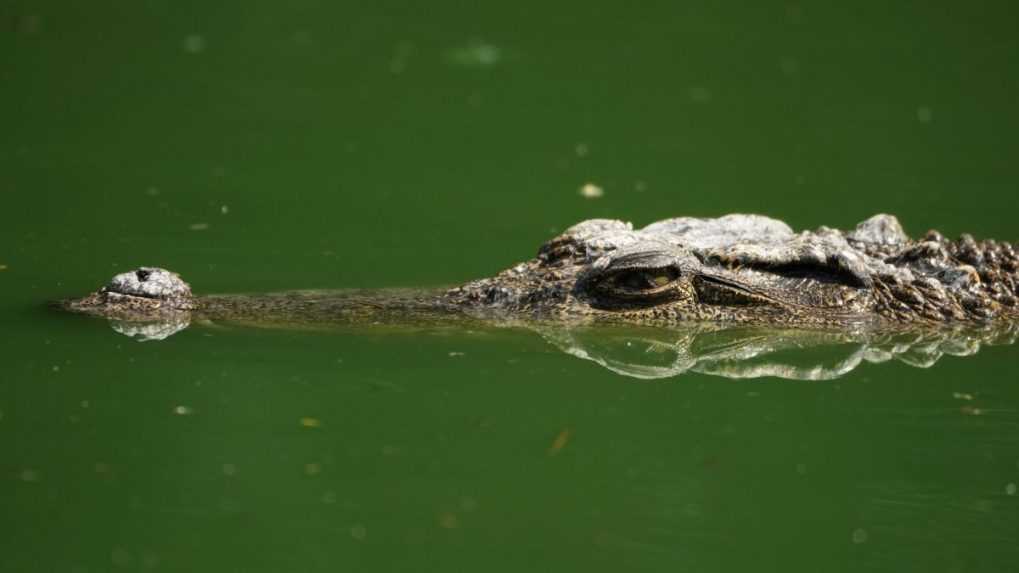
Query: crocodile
{"points": [[735, 269]]}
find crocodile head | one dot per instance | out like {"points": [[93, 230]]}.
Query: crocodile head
{"points": [[146, 293], [750, 269]]}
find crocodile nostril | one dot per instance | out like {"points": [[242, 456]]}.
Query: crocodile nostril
{"points": [[142, 274]]}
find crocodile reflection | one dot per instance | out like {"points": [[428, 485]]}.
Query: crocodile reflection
{"points": [[648, 353]]}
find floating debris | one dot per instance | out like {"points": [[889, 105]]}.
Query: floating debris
{"points": [[198, 226], [476, 54], [700, 94], [591, 191], [309, 422], [582, 149], [312, 469], [183, 410], [456, 354], [448, 520], [1011, 488], [28, 24], [3, 267], [401, 55], [789, 66], [971, 410], [224, 209], [468, 504], [962, 396], [860, 536], [560, 442], [121, 557], [194, 44]]}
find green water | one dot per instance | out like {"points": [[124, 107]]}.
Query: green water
{"points": [[255, 147]]}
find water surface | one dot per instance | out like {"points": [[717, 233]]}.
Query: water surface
{"points": [[253, 147]]}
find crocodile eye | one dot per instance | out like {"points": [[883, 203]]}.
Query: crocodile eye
{"points": [[647, 284]]}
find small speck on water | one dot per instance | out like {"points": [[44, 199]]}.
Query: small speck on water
{"points": [[358, 531], [468, 504], [401, 55], [860, 536], [789, 66], [448, 520], [194, 44], [312, 469], [700, 94], [582, 149], [924, 114], [962, 396], [224, 209], [639, 186], [456, 354], [591, 191], [29, 475], [1011, 488], [56, 368], [84, 403], [121, 557], [559, 442], [183, 410], [476, 54], [971, 411], [28, 24], [309, 422], [3, 267], [229, 469], [198, 226]]}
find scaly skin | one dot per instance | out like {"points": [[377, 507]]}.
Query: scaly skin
{"points": [[751, 269], [740, 269]]}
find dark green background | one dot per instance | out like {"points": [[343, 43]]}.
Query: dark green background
{"points": [[385, 144]]}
